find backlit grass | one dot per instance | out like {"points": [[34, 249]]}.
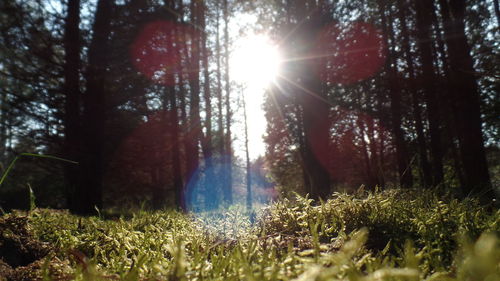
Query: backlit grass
{"points": [[392, 235]]}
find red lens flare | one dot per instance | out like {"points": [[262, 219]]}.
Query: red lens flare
{"points": [[157, 52], [146, 149], [349, 54]]}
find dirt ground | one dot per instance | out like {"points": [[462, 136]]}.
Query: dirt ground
{"points": [[21, 255]]}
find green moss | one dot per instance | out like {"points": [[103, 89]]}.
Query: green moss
{"points": [[393, 235]]}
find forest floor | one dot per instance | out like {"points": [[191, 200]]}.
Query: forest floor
{"points": [[390, 235]]}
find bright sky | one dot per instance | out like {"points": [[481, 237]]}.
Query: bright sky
{"points": [[254, 65]]}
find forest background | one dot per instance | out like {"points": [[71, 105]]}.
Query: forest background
{"points": [[139, 93]]}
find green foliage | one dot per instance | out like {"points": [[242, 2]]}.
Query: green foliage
{"points": [[394, 235]]}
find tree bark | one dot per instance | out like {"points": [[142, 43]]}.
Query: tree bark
{"points": [[424, 9], [464, 87], [425, 166], [194, 129], [72, 96], [211, 199], [3, 126], [404, 168], [247, 156], [228, 174], [312, 97], [89, 193]]}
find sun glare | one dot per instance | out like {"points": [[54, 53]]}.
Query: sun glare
{"points": [[255, 61]]}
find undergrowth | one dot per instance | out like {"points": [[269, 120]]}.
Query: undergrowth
{"points": [[391, 235]]}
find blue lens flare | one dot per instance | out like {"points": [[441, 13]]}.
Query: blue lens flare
{"points": [[204, 197]]}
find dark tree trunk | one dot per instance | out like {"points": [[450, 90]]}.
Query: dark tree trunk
{"points": [[227, 188], [72, 96], [317, 138], [3, 126], [302, 151], [316, 126], [315, 107], [448, 97], [424, 10], [425, 166], [211, 200], [464, 87], [176, 155], [89, 191], [220, 109], [404, 169], [180, 135], [381, 172], [193, 137]]}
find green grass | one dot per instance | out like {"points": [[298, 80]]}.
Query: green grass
{"points": [[392, 235]]}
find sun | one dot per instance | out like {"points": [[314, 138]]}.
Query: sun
{"points": [[254, 64], [255, 61]]}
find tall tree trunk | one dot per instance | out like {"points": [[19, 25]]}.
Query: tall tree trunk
{"points": [[72, 96], [211, 200], [316, 127], [3, 126], [448, 96], [404, 168], [228, 175], [220, 109], [89, 192], [175, 141], [425, 166], [313, 100], [247, 156], [194, 137], [464, 86], [424, 9], [176, 155], [302, 148]]}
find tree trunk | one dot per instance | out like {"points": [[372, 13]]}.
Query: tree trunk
{"points": [[312, 97], [302, 150], [404, 168], [424, 9], [220, 109], [72, 96], [464, 86], [193, 137], [228, 174], [425, 166], [211, 198], [3, 126], [247, 156], [448, 96], [89, 193], [176, 155]]}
